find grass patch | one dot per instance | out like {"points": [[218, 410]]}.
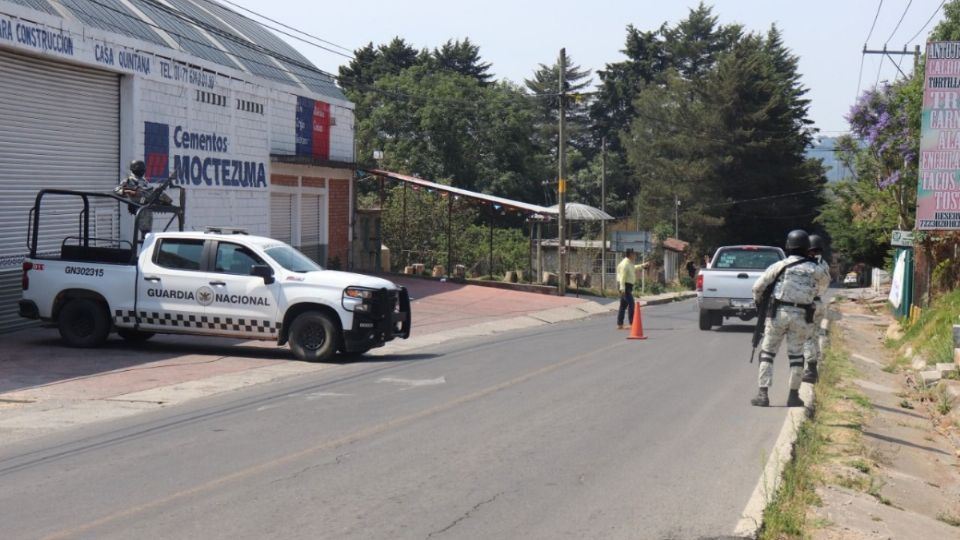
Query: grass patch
{"points": [[932, 333], [786, 516], [942, 402], [829, 449], [949, 519]]}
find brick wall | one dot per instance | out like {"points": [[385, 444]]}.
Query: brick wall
{"points": [[339, 219]]}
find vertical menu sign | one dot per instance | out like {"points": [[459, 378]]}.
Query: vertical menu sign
{"points": [[938, 191]]}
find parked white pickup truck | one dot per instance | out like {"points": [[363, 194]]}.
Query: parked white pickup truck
{"points": [[726, 288], [206, 283]]}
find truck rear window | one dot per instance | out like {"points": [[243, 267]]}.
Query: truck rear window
{"points": [[180, 254], [747, 259]]}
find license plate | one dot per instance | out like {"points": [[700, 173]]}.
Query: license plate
{"points": [[742, 303]]}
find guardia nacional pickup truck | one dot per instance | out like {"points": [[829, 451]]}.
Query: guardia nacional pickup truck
{"points": [[212, 283]]}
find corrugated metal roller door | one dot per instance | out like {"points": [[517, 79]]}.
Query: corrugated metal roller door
{"points": [[61, 129], [281, 216], [311, 225]]}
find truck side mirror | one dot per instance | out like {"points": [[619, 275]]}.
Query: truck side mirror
{"points": [[264, 271]]}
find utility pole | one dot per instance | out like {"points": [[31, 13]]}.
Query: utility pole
{"points": [[676, 217], [562, 180], [915, 52], [603, 223]]}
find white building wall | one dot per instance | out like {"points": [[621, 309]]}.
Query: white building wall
{"points": [[163, 88]]}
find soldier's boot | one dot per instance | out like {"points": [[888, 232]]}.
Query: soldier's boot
{"points": [[793, 399], [762, 400], [811, 375]]}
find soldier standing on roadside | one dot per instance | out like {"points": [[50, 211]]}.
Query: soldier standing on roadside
{"points": [[795, 282], [811, 348]]}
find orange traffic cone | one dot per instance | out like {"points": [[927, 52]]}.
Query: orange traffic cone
{"points": [[636, 331]]}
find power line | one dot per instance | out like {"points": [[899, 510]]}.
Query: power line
{"points": [[862, 56], [262, 16], [770, 197], [928, 21], [897, 27], [279, 31], [872, 26]]}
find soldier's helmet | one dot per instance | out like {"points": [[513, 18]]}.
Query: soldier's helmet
{"points": [[816, 242], [798, 240], [138, 168]]}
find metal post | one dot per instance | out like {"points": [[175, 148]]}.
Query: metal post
{"points": [[490, 273], [676, 217], [403, 231], [540, 253], [562, 181], [449, 234], [603, 223], [530, 252]]}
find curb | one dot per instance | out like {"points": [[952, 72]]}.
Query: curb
{"points": [[751, 520]]}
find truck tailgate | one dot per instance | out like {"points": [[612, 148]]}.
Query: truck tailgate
{"points": [[733, 284]]}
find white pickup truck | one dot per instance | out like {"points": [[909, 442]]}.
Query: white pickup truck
{"points": [[725, 289], [206, 283]]}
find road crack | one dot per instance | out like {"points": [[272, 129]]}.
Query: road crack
{"points": [[465, 515]]}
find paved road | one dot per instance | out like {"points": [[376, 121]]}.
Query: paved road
{"points": [[567, 431]]}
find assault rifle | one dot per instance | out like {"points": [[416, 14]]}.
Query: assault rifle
{"points": [[763, 307]]}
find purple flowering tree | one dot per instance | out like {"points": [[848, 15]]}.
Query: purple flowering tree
{"points": [[886, 122]]}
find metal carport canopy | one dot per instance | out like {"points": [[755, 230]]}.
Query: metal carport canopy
{"points": [[491, 199]]}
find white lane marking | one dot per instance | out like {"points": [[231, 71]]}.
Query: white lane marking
{"points": [[265, 407], [318, 395], [412, 383]]}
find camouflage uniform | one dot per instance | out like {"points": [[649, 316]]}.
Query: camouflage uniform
{"points": [[811, 348], [799, 284]]}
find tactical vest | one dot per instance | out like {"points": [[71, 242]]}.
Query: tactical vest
{"points": [[798, 284]]}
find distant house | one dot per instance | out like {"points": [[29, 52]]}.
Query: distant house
{"points": [[673, 256]]}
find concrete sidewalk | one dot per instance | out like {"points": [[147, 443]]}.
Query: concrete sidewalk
{"points": [[45, 386]]}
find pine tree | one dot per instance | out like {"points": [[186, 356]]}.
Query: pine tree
{"points": [[463, 57]]}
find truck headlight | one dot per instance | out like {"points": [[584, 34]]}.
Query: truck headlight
{"points": [[357, 299], [357, 292]]}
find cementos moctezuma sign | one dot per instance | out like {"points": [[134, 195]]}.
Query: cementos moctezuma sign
{"points": [[938, 190], [200, 159]]}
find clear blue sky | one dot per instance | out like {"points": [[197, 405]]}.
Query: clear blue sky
{"points": [[515, 36]]}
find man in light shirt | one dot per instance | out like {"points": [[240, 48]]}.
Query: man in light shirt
{"points": [[626, 277]]}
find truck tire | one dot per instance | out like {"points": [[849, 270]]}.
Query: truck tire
{"points": [[83, 323], [313, 337], [134, 336], [706, 320], [717, 318]]}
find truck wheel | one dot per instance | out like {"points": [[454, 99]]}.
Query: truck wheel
{"points": [[83, 323], [717, 318], [706, 320], [313, 337], [134, 336]]}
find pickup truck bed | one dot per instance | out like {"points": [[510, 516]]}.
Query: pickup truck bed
{"points": [[726, 288]]}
